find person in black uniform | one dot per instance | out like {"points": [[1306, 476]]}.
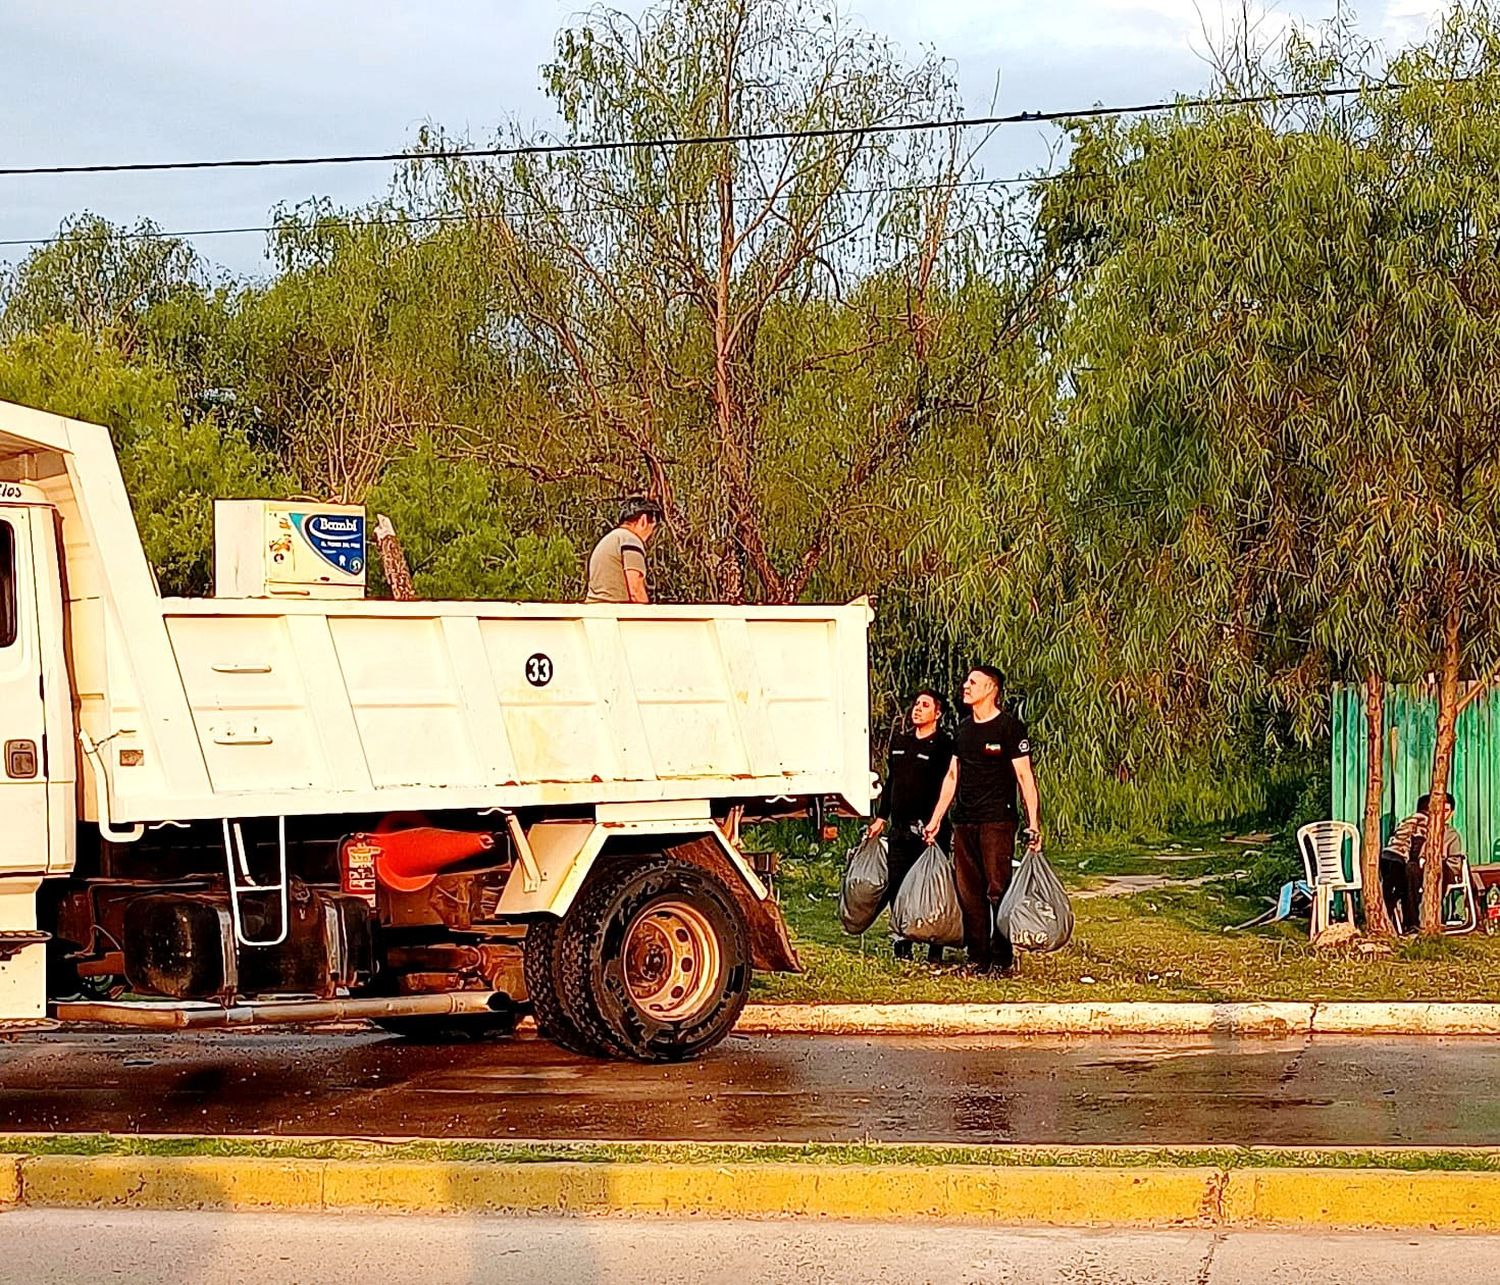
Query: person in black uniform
{"points": [[992, 757], [918, 764]]}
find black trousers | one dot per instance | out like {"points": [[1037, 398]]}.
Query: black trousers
{"points": [[902, 848], [982, 864], [1401, 884]]}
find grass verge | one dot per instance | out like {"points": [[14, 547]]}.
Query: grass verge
{"points": [[856, 1153], [1163, 944]]}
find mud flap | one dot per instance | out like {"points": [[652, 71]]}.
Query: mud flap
{"points": [[771, 949], [23, 980]]}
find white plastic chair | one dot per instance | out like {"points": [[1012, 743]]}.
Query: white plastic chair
{"points": [[1322, 848], [1458, 922]]}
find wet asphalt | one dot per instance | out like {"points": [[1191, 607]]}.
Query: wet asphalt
{"points": [[1303, 1091]]}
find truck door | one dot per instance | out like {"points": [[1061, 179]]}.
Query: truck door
{"points": [[23, 743]]}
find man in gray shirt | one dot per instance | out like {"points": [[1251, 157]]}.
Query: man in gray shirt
{"points": [[617, 566]]}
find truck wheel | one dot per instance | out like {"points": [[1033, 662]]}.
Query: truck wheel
{"points": [[655, 960], [541, 952]]}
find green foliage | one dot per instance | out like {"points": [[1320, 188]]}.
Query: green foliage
{"points": [[99, 280], [770, 337], [1280, 860], [174, 468], [62, 371], [451, 518], [174, 472], [1262, 460]]}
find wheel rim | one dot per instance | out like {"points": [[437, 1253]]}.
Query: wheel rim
{"points": [[673, 962]]}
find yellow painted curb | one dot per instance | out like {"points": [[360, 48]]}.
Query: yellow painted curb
{"points": [[1462, 1201], [171, 1182], [992, 1193], [1035, 1195]]}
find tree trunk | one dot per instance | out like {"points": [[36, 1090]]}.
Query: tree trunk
{"points": [[393, 560], [731, 465], [1442, 761], [1376, 923]]}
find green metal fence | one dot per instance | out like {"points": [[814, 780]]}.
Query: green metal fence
{"points": [[1410, 732]]}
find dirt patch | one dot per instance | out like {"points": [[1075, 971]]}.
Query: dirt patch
{"points": [[1129, 885]]}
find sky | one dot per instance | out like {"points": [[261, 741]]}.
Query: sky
{"points": [[86, 81]]}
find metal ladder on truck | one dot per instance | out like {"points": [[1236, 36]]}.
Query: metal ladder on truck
{"points": [[242, 880]]}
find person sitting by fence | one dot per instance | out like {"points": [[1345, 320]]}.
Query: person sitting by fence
{"points": [[1401, 864]]}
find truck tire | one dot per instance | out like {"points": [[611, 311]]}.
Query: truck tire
{"points": [[654, 960], [541, 953]]}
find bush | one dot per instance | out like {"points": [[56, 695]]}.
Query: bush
{"points": [[1280, 860]]}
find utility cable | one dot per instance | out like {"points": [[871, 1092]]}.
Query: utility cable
{"points": [[523, 216], [766, 136]]}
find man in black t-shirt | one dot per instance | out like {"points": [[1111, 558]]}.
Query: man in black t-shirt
{"points": [[992, 757], [914, 779]]}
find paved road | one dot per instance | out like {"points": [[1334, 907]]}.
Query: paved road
{"points": [[52, 1246], [1298, 1091]]}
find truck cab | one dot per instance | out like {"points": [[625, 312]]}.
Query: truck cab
{"points": [[37, 783]]}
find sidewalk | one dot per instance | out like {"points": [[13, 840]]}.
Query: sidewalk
{"points": [[65, 1246]]}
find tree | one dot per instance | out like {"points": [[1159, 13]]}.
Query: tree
{"points": [[450, 516], [353, 351], [98, 279], [1447, 263], [174, 467], [764, 335], [65, 372], [1269, 453]]}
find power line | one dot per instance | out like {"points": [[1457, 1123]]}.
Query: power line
{"points": [[124, 235], [767, 136], [519, 217]]}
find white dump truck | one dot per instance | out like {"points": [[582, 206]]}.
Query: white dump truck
{"points": [[287, 802]]}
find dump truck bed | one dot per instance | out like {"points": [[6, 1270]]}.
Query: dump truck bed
{"points": [[377, 706]]}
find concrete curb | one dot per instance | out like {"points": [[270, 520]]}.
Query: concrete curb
{"points": [[1276, 1020], [1045, 1196], [1406, 1019]]}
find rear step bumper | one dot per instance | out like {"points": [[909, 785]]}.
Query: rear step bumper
{"points": [[14, 940], [272, 1012]]}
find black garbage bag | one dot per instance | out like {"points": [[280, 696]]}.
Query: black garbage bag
{"points": [[1035, 913], [926, 906], [863, 893]]}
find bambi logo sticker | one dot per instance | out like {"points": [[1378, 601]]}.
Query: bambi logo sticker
{"points": [[339, 539]]}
